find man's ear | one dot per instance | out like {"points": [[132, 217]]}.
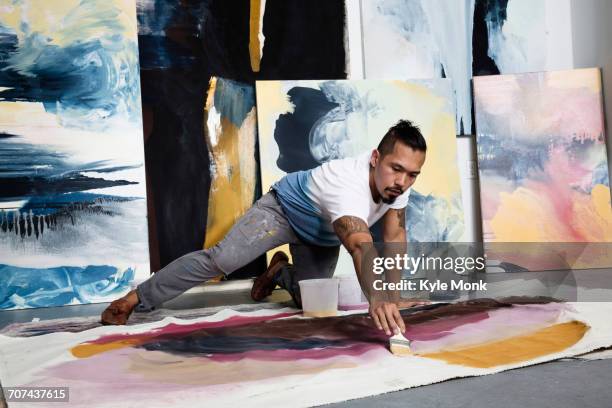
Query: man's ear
{"points": [[374, 158]]}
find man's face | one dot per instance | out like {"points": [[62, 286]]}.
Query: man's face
{"points": [[395, 172]]}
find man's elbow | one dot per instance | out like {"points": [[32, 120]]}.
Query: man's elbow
{"points": [[359, 246]]}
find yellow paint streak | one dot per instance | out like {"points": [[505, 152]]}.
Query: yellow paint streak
{"points": [[26, 114], [91, 349], [439, 175], [575, 79], [527, 216], [594, 215], [254, 46], [517, 349], [11, 16], [521, 217], [248, 166], [232, 187], [62, 24], [210, 98], [601, 202]]}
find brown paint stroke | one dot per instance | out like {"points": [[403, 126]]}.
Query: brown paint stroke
{"points": [[357, 327], [360, 326]]}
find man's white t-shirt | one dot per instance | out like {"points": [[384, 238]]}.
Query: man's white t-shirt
{"points": [[314, 199]]}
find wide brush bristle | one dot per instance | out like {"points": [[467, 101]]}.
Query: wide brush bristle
{"points": [[399, 345], [400, 350]]}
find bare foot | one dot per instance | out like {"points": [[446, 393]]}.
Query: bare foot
{"points": [[118, 312]]}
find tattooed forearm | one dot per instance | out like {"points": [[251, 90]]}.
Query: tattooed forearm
{"points": [[348, 225], [394, 225]]}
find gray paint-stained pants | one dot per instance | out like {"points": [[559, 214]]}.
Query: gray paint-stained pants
{"points": [[263, 227]]}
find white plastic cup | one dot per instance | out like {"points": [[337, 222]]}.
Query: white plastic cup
{"points": [[319, 297], [349, 293]]}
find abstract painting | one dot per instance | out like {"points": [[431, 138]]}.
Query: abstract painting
{"points": [[305, 123], [542, 157], [265, 358], [184, 46], [511, 36], [72, 183], [410, 39], [231, 137]]}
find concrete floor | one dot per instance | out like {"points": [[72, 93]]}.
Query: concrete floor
{"points": [[560, 384]]}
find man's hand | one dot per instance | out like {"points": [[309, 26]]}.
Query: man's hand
{"points": [[387, 317], [354, 234]]}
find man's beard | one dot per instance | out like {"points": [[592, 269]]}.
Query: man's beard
{"points": [[390, 200]]}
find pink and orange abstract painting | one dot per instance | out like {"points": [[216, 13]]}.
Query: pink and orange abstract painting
{"points": [[542, 157]]}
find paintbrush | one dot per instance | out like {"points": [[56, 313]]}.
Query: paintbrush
{"points": [[399, 345]]}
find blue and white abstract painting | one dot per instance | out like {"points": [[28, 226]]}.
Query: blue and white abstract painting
{"points": [[72, 184]]}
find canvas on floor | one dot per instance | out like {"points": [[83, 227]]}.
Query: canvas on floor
{"points": [[268, 357]]}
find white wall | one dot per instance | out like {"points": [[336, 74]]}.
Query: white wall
{"points": [[592, 47], [354, 40]]}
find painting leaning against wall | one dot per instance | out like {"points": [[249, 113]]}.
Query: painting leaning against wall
{"points": [[542, 160], [231, 137], [303, 124], [72, 192]]}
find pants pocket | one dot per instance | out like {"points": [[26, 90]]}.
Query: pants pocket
{"points": [[258, 226]]}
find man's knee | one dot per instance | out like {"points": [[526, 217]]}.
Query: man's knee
{"points": [[197, 264], [225, 259]]}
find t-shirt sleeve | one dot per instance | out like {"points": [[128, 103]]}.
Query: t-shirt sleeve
{"points": [[347, 203], [401, 201]]}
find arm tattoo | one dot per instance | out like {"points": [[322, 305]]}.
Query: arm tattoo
{"points": [[401, 215], [348, 225]]}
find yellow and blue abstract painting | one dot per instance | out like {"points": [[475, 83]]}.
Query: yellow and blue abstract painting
{"points": [[72, 183], [303, 124]]}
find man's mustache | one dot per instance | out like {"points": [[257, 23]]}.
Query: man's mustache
{"points": [[395, 190]]}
